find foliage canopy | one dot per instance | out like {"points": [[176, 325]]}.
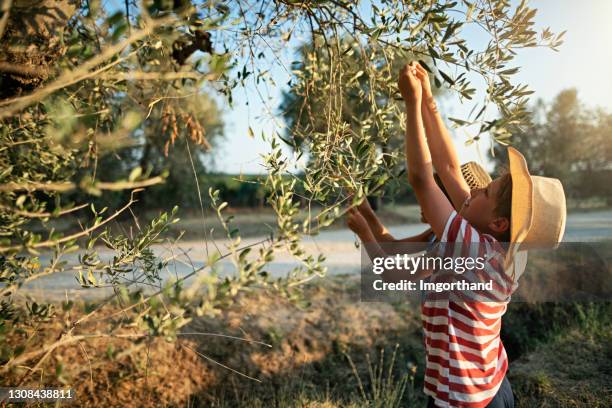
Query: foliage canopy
{"points": [[97, 83]]}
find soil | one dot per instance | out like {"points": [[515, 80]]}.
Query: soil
{"points": [[325, 355]]}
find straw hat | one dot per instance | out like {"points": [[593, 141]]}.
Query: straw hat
{"points": [[474, 175], [538, 206]]}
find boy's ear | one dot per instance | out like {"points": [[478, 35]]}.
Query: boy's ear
{"points": [[500, 225]]}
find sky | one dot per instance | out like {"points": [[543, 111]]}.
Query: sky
{"points": [[583, 62]]}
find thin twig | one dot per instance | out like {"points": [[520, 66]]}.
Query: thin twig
{"points": [[65, 186], [220, 364], [63, 341], [42, 214], [51, 243], [224, 336], [109, 299], [23, 70]]}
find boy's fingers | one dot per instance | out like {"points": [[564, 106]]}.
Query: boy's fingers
{"points": [[421, 73]]}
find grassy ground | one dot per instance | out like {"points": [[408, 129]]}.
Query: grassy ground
{"points": [[573, 369], [339, 352]]}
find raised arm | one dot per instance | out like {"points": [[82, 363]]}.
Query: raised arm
{"points": [[358, 224], [434, 203], [443, 152], [382, 234]]}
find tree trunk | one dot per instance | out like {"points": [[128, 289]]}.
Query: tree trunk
{"points": [[30, 42]]}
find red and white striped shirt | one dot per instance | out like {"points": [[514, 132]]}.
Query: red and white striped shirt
{"points": [[465, 358]]}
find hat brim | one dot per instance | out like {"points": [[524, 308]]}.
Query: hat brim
{"points": [[521, 216]]}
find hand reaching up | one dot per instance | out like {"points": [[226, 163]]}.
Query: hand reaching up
{"points": [[423, 76], [409, 84], [365, 208], [356, 222]]}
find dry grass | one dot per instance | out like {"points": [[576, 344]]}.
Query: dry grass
{"points": [[573, 370], [326, 355], [307, 360]]}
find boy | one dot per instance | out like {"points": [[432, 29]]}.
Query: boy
{"points": [[473, 174], [466, 362]]}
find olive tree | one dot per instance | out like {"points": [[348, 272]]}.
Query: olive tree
{"points": [[83, 81]]}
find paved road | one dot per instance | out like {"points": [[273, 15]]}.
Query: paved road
{"points": [[338, 246]]}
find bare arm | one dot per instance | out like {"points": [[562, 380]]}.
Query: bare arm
{"points": [[423, 238], [409, 245], [434, 203], [382, 234], [443, 152], [357, 223]]}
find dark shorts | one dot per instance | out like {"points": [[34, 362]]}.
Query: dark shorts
{"points": [[503, 399]]}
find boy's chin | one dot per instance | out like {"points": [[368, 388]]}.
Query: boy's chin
{"points": [[467, 215]]}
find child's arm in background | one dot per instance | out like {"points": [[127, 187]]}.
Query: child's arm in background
{"points": [[434, 203], [443, 152], [358, 224], [382, 234]]}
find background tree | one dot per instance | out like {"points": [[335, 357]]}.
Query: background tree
{"points": [[569, 141], [179, 131]]}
